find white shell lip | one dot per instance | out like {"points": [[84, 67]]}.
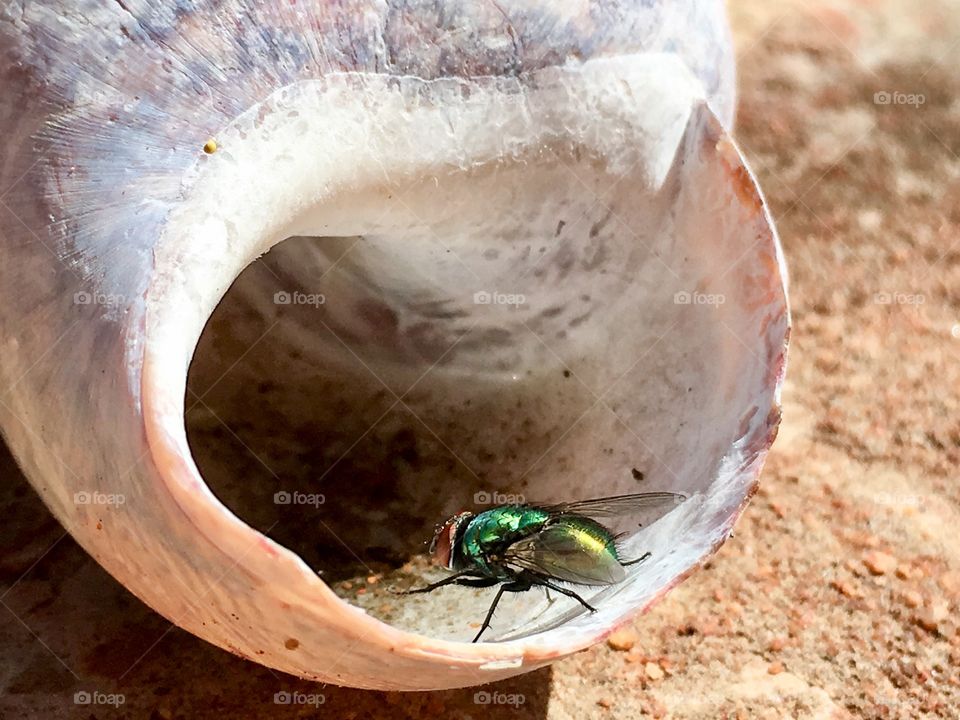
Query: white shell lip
{"points": [[207, 243]]}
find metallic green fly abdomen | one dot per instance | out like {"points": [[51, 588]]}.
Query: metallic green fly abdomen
{"points": [[578, 550], [523, 546]]}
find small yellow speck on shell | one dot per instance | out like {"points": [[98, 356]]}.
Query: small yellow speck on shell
{"points": [[210, 147]]}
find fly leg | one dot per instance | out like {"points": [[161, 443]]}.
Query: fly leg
{"points": [[478, 582], [638, 560], [513, 586], [546, 591], [563, 591], [457, 578]]}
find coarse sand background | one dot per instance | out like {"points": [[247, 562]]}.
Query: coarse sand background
{"points": [[839, 595]]}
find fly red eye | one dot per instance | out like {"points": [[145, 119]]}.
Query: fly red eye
{"points": [[444, 539], [441, 546]]}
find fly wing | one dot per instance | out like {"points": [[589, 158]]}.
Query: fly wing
{"points": [[558, 553], [619, 505]]}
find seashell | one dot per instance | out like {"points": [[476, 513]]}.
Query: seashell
{"points": [[524, 226]]}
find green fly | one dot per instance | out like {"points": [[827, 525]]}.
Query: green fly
{"points": [[519, 547]]}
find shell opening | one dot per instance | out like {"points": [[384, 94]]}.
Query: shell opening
{"points": [[458, 316]]}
